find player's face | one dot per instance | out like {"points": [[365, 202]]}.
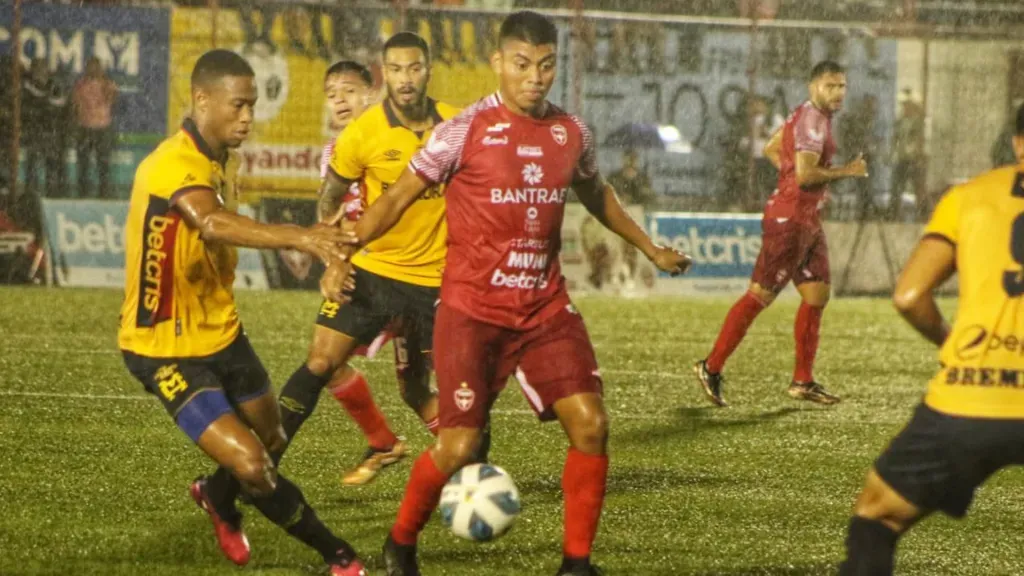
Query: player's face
{"points": [[347, 97], [526, 72], [227, 107], [829, 91], [406, 74]]}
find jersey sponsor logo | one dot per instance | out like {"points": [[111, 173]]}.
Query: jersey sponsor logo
{"points": [[984, 377], [521, 281], [498, 128], [392, 155], [530, 152], [156, 277], [528, 196], [560, 134], [495, 141], [464, 397], [527, 260], [189, 178], [816, 135], [975, 341], [533, 174]]}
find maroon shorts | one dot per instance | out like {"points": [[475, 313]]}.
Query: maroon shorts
{"points": [[791, 250], [473, 361]]}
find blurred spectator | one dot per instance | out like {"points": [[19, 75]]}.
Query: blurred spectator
{"points": [[631, 181], [1001, 152], [858, 137], [908, 152], [6, 124], [95, 94], [43, 109]]}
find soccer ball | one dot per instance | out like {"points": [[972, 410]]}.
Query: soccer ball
{"points": [[480, 503]]}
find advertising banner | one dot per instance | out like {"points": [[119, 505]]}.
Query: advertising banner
{"points": [[87, 241], [724, 248], [132, 46]]}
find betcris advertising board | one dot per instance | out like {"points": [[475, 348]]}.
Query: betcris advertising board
{"points": [[86, 239], [724, 248]]}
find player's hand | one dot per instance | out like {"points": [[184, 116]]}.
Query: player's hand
{"points": [[671, 261], [323, 241], [337, 282], [858, 167]]}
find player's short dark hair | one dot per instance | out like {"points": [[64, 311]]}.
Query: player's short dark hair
{"points": [[347, 66], [529, 27], [826, 67], [408, 40], [217, 64], [1020, 121]]}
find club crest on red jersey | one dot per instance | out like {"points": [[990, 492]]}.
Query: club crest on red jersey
{"points": [[559, 133], [464, 397]]}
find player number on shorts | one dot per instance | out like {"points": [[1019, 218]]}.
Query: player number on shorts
{"points": [[173, 386]]}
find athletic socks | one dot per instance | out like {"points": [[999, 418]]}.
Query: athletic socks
{"points": [[422, 494], [805, 331], [737, 322], [870, 548], [355, 397], [583, 484]]}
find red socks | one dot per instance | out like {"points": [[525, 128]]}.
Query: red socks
{"points": [[583, 484], [354, 395], [805, 331], [422, 494], [739, 319]]}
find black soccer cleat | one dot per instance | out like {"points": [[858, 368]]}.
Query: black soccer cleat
{"points": [[711, 382], [400, 560], [573, 567], [812, 392]]}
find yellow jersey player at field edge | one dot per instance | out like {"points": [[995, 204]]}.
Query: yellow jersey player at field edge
{"points": [[398, 277], [179, 329], [972, 419]]}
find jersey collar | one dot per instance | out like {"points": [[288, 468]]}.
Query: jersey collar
{"points": [[190, 128], [394, 122]]}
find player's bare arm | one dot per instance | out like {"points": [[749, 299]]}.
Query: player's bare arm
{"points": [[202, 210], [332, 192], [931, 264], [773, 149], [380, 217], [600, 199], [810, 174]]}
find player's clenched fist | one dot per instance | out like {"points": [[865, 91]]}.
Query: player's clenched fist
{"points": [[857, 168], [671, 261]]}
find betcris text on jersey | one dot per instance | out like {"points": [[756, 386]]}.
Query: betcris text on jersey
{"points": [[723, 246], [86, 240]]}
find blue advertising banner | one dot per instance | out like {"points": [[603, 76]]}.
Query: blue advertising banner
{"points": [[132, 45], [86, 239], [724, 248]]}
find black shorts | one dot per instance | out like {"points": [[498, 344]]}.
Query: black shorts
{"points": [[937, 461], [235, 373], [376, 302]]}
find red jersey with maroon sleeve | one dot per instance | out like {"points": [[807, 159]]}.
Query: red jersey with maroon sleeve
{"points": [[508, 177], [808, 129]]}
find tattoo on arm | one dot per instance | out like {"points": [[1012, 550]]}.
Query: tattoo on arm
{"points": [[332, 191]]}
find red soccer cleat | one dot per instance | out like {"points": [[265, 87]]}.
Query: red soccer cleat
{"points": [[231, 539]]}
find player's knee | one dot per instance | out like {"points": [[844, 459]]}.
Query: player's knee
{"points": [[275, 441], [455, 449], [415, 389], [590, 433], [322, 363], [256, 473], [763, 294]]}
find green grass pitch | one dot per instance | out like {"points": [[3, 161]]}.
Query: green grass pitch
{"points": [[94, 476]]}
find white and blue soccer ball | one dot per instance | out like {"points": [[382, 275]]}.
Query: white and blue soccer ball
{"points": [[480, 503]]}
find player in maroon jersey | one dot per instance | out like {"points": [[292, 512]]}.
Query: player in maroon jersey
{"points": [[509, 161], [793, 242]]}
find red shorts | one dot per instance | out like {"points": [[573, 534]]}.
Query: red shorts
{"points": [[473, 361], [791, 250]]}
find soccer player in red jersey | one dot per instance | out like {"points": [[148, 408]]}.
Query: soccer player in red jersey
{"points": [[793, 242], [509, 161]]}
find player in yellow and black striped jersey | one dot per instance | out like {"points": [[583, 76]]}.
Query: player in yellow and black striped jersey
{"points": [[398, 276], [179, 329], [971, 422]]}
